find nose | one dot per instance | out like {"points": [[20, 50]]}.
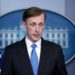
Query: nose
{"points": [[37, 28]]}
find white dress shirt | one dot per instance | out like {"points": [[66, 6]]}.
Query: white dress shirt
{"points": [[29, 48]]}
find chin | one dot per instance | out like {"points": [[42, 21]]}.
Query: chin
{"points": [[36, 40]]}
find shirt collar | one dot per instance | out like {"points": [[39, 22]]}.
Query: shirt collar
{"points": [[29, 42]]}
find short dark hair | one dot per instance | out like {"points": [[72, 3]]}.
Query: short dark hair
{"points": [[32, 12]]}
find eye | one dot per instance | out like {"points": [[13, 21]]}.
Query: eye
{"points": [[33, 24], [41, 24]]}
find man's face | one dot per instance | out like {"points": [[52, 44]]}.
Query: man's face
{"points": [[34, 27]]}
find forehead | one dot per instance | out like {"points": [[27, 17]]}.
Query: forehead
{"points": [[36, 18]]}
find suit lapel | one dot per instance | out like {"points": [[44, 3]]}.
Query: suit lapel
{"points": [[43, 58], [25, 56]]}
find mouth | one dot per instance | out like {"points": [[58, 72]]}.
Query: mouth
{"points": [[36, 35]]}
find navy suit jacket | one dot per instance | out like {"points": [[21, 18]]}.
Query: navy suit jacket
{"points": [[16, 60]]}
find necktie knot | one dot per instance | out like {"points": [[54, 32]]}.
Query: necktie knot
{"points": [[33, 46]]}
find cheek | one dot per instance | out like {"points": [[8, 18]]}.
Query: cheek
{"points": [[30, 30]]}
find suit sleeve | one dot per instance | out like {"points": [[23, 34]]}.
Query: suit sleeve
{"points": [[7, 64], [60, 65]]}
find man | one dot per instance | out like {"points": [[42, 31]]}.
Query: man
{"points": [[33, 55]]}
